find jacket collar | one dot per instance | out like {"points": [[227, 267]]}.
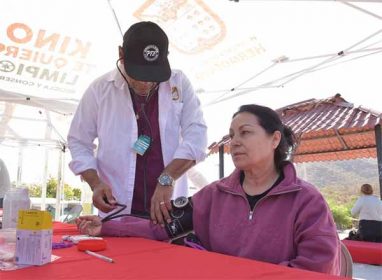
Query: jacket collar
{"points": [[116, 77], [231, 183]]}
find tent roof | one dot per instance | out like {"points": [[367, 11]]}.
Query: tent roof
{"points": [[60, 106], [327, 129]]}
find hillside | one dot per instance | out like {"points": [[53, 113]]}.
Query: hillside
{"points": [[346, 175]]}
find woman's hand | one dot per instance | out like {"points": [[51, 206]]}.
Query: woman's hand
{"points": [[90, 225]]}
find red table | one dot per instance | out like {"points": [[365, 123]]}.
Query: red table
{"points": [[137, 258]]}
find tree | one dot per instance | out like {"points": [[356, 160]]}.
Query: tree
{"points": [[70, 193]]}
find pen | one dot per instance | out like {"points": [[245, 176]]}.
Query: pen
{"points": [[107, 259]]}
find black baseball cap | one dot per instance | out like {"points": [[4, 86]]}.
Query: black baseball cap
{"points": [[145, 47]]}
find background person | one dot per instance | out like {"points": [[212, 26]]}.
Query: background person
{"points": [[368, 208], [149, 125], [262, 211]]}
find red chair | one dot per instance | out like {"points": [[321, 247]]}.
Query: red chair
{"points": [[364, 252]]}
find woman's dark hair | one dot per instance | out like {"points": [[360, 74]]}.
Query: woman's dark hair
{"points": [[271, 122], [367, 189]]}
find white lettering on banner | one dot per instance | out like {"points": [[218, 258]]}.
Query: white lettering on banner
{"points": [[21, 33]]}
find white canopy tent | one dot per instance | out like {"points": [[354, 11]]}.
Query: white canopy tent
{"points": [[31, 126], [234, 52]]}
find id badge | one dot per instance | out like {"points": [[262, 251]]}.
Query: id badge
{"points": [[142, 144]]}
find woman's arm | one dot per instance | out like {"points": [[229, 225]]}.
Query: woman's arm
{"points": [[181, 223], [127, 226]]}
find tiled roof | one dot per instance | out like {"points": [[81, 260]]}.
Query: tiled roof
{"points": [[328, 129]]}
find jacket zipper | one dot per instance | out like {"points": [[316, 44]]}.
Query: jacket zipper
{"points": [[253, 210], [238, 194], [250, 216]]}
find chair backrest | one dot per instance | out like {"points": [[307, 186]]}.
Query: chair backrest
{"points": [[73, 213], [346, 262]]}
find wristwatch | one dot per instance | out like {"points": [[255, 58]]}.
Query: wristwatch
{"points": [[166, 180]]}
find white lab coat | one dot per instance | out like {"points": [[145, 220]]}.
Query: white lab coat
{"points": [[106, 112]]}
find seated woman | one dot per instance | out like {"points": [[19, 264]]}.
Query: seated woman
{"points": [[262, 211], [369, 209]]}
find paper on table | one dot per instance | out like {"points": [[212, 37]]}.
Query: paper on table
{"points": [[10, 264]]}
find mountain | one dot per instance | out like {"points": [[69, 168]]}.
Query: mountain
{"points": [[349, 174]]}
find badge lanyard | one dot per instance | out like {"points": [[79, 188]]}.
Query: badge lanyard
{"points": [[143, 143]]}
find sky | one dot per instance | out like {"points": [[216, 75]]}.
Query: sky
{"points": [[219, 44]]}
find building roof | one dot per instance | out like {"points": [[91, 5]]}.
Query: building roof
{"points": [[327, 129]]}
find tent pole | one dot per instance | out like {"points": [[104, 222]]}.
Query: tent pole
{"points": [[48, 134], [44, 182], [378, 141], [60, 187], [221, 161], [115, 17], [20, 166]]}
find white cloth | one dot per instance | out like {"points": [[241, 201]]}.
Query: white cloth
{"points": [[368, 207], [5, 183], [106, 112]]}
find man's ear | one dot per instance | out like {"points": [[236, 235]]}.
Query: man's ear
{"points": [[120, 52]]}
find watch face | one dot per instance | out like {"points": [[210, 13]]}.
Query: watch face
{"points": [[165, 180], [180, 202]]}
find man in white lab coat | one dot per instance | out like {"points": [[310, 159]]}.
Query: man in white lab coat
{"points": [[149, 125]]}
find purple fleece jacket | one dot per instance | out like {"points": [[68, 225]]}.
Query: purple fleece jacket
{"points": [[292, 225]]}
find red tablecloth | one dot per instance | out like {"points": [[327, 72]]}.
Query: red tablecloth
{"points": [[137, 258]]}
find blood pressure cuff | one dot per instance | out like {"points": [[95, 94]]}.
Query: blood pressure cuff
{"points": [[181, 215]]}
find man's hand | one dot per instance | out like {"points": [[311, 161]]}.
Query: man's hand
{"points": [[90, 225], [103, 198], [161, 204]]}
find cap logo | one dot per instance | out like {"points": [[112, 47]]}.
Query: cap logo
{"points": [[151, 53]]}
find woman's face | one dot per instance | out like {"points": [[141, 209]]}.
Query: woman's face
{"points": [[250, 144]]}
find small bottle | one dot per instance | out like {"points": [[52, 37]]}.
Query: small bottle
{"points": [[15, 199]]}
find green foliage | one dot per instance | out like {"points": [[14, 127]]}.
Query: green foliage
{"points": [[70, 193], [341, 214], [340, 200], [51, 187], [34, 190], [77, 193]]}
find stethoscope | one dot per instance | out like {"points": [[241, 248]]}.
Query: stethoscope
{"points": [[115, 214], [176, 213], [142, 109]]}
